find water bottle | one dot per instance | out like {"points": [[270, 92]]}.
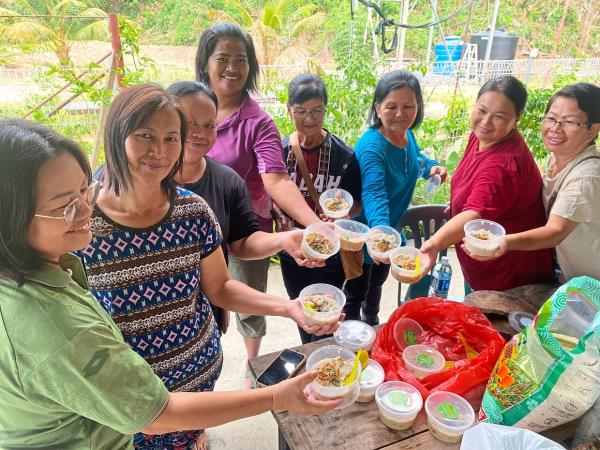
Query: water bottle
{"points": [[433, 183], [440, 281]]}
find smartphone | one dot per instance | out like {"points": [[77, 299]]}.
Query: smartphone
{"points": [[285, 366]]}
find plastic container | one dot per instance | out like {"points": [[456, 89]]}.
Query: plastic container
{"points": [[399, 403], [318, 318], [352, 234], [325, 230], [350, 392], [380, 255], [448, 416], [432, 183], [408, 276], [423, 360], [483, 247], [446, 55], [333, 194], [407, 332], [354, 335], [370, 379]]}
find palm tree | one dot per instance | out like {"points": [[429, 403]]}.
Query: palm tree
{"points": [[54, 29]]}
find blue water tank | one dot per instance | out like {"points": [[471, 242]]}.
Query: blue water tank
{"points": [[446, 55]]}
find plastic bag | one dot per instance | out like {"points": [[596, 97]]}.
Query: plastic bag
{"points": [[549, 374], [487, 436], [443, 322]]}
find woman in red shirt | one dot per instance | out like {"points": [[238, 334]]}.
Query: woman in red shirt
{"points": [[497, 179]]}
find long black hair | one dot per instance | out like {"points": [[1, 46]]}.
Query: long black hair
{"points": [[511, 88]]}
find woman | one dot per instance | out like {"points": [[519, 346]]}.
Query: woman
{"points": [[156, 252], [223, 189], [331, 164], [571, 185], [497, 179], [390, 162], [249, 143], [67, 377]]}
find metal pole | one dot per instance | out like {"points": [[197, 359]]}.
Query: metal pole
{"points": [[403, 19], [430, 39], [488, 49], [115, 42]]}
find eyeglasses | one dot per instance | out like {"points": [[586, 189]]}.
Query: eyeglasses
{"points": [[73, 210], [303, 113], [566, 124]]}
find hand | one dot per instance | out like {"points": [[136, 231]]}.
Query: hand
{"points": [[502, 249], [439, 170], [291, 242], [291, 395], [294, 312], [428, 254]]}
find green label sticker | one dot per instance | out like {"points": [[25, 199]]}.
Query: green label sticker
{"points": [[448, 411], [400, 398], [425, 360], [366, 375], [410, 337]]}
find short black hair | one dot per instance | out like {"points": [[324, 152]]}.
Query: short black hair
{"points": [[24, 148], [131, 110], [511, 88], [305, 87], [185, 88], [392, 81], [587, 96], [208, 42]]}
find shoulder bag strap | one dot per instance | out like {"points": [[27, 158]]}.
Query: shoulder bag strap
{"points": [[556, 189], [304, 170]]}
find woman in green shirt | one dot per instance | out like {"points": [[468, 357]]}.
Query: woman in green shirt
{"points": [[67, 378]]}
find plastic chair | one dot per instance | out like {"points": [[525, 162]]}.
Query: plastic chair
{"points": [[423, 221]]}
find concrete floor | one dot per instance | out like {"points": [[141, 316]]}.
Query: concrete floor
{"points": [[260, 432]]}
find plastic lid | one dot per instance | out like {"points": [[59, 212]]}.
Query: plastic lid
{"points": [[423, 358], [372, 375], [354, 334], [407, 332], [399, 397], [451, 410]]}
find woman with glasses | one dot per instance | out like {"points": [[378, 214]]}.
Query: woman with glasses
{"points": [[331, 164], [247, 141], [571, 185], [497, 179], [155, 254], [68, 379]]}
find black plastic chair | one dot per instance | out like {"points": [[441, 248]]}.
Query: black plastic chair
{"points": [[423, 221]]}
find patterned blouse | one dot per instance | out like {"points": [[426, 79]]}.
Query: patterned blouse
{"points": [[149, 282]]}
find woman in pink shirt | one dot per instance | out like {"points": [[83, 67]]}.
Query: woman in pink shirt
{"points": [[497, 179], [247, 141]]}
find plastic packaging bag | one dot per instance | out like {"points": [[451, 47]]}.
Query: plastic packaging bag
{"points": [[487, 436], [447, 325], [549, 374]]}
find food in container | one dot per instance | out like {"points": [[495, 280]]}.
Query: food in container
{"points": [[482, 237], [399, 403], [423, 360], [352, 234], [370, 379], [354, 335], [448, 416], [336, 203], [319, 242], [382, 239], [404, 264], [322, 304]]}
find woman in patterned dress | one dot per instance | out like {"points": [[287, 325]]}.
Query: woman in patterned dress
{"points": [[156, 251]]}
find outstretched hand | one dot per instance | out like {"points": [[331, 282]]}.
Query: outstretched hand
{"points": [[291, 395], [502, 249], [294, 310], [291, 242], [439, 170], [428, 254]]}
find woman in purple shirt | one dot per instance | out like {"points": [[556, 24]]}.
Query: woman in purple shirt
{"points": [[247, 141]]}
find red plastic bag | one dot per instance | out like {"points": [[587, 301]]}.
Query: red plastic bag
{"points": [[441, 320]]}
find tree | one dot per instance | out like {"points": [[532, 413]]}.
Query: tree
{"points": [[55, 29]]}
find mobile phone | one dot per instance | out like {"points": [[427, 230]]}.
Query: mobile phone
{"points": [[284, 366]]}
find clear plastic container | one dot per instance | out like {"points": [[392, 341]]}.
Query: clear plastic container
{"points": [[349, 392], [354, 335], [407, 332], [370, 379], [352, 234], [333, 194], [448, 416], [376, 232], [480, 246], [433, 182], [423, 360], [399, 403], [322, 318], [408, 276], [327, 232]]}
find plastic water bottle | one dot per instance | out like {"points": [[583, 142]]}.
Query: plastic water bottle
{"points": [[433, 183], [441, 276]]}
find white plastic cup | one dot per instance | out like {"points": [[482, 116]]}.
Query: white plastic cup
{"points": [[332, 194], [355, 335], [352, 234], [322, 318], [399, 273], [382, 256], [448, 416], [482, 247], [423, 360], [370, 379], [399, 403], [325, 230]]}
